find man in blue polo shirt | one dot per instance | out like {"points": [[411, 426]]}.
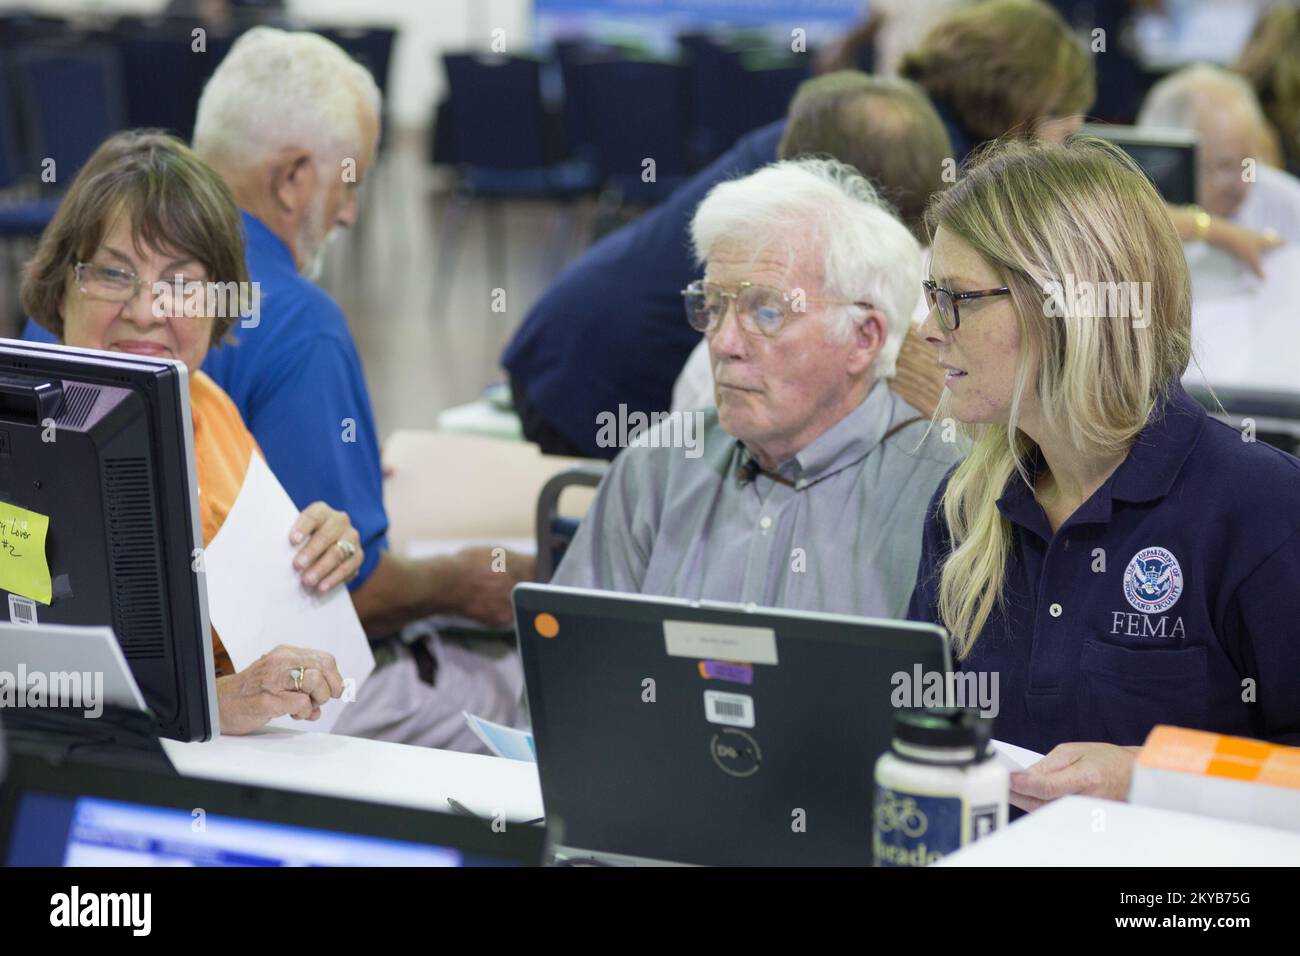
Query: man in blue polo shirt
{"points": [[292, 124]]}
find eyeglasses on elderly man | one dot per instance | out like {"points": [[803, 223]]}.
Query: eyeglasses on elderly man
{"points": [[761, 309]]}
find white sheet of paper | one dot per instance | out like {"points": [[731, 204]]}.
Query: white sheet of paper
{"points": [[256, 599], [1015, 758]]}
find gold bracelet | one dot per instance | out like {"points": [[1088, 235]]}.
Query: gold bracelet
{"points": [[1200, 221]]}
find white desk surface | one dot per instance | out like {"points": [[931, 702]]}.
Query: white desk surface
{"points": [[1073, 831], [1086, 831], [357, 769], [1244, 332], [445, 485]]}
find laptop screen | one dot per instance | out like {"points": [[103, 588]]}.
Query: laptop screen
{"points": [[62, 830]]}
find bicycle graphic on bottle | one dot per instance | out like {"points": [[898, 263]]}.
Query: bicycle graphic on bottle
{"points": [[893, 813]]}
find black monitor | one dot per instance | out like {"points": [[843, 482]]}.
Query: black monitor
{"points": [[102, 443], [1167, 156], [70, 814]]}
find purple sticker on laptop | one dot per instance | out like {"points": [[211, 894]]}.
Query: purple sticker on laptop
{"points": [[727, 670]]}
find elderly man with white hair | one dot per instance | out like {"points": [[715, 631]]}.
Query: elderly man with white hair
{"points": [[291, 123], [1233, 178], [807, 486]]}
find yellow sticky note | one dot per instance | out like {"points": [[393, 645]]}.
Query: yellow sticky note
{"points": [[23, 567]]}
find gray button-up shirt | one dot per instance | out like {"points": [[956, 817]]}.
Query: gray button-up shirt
{"points": [[844, 536]]}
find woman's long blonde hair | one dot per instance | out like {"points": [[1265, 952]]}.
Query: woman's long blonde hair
{"points": [[1053, 221]]}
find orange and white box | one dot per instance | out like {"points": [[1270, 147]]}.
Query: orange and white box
{"points": [[1234, 778]]}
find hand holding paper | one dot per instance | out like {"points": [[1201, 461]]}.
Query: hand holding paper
{"points": [[257, 602]]}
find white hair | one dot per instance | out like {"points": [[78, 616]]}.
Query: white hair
{"points": [[822, 204], [276, 89], [1173, 103]]}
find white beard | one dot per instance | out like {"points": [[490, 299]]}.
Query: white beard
{"points": [[314, 240]]}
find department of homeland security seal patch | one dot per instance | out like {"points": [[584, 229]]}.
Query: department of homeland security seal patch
{"points": [[1153, 580]]}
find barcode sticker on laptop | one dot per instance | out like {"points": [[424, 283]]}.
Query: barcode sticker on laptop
{"points": [[22, 610], [734, 710]]}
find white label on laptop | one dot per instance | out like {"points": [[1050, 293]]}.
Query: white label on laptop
{"points": [[720, 642], [22, 610], [734, 710]]}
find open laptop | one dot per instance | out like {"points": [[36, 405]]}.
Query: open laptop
{"points": [[707, 733], [71, 814]]}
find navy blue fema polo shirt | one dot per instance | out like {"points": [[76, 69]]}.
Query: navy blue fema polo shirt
{"points": [[1171, 596]]}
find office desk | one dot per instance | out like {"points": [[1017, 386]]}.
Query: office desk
{"points": [[1086, 831], [357, 769], [1073, 831], [448, 486]]}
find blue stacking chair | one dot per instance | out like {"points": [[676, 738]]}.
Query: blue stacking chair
{"points": [[638, 111], [506, 147], [716, 82], [769, 86], [162, 76], [20, 215], [372, 47], [504, 142], [72, 101]]}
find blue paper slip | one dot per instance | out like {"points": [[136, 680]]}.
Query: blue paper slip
{"points": [[503, 741]]}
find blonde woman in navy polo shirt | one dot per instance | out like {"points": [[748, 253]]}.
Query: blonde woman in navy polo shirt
{"points": [[1119, 558]]}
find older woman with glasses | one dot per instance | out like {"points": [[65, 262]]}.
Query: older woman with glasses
{"points": [[806, 480], [142, 215]]}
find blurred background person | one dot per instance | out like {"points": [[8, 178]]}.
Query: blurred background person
{"points": [[888, 31], [1270, 62], [1233, 181], [1240, 312], [1004, 68]]}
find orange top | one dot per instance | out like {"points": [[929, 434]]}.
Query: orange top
{"points": [[223, 447]]}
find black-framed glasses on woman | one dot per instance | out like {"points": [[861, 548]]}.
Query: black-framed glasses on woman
{"points": [[944, 302], [761, 309]]}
